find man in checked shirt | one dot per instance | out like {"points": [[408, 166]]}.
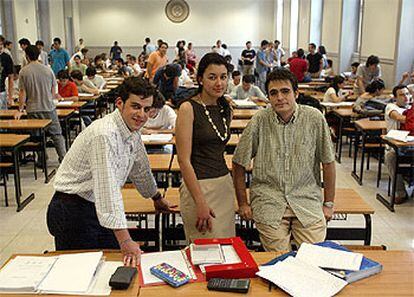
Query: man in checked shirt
{"points": [[87, 210]]}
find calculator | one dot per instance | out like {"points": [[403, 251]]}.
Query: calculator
{"points": [[229, 285]]}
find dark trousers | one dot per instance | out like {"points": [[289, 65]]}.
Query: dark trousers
{"points": [[73, 222]]}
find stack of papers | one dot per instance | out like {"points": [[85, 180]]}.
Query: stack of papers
{"points": [[64, 103], [299, 278], [400, 135], [303, 275], [244, 103], [157, 137], [85, 95], [339, 104], [206, 254], [230, 257], [73, 274]]}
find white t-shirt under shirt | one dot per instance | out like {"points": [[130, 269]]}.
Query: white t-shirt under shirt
{"points": [[391, 123], [327, 97], [164, 120]]}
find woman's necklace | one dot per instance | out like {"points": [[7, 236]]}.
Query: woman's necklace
{"points": [[224, 137]]}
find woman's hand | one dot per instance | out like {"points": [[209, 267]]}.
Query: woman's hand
{"points": [[205, 217]]}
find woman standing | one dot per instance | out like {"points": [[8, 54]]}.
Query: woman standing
{"points": [[202, 131]]}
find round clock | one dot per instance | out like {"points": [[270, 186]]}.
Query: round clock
{"points": [[177, 11]]}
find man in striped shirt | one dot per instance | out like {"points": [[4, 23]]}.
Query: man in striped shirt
{"points": [[288, 143], [87, 210]]}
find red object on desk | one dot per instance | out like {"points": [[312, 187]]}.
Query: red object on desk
{"points": [[246, 269]]}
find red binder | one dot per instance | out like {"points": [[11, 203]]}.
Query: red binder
{"points": [[246, 269]]}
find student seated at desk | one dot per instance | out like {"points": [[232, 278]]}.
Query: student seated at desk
{"points": [[353, 76], [162, 117], [77, 78], [366, 74], [67, 89], [394, 118], [334, 92], [247, 90], [78, 65], [87, 210], [234, 82], [123, 70], [94, 80], [134, 66], [373, 90], [328, 71], [167, 80], [99, 63]]}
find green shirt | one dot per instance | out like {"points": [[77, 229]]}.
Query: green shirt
{"points": [[286, 168]]}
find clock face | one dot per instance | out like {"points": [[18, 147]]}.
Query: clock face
{"points": [[177, 11]]}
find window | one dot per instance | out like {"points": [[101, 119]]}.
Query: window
{"points": [[279, 20], [294, 19], [361, 16], [316, 21]]}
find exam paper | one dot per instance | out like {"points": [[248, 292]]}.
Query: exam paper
{"points": [[156, 137], [300, 279], [329, 258], [244, 103], [64, 103], [399, 135], [339, 104]]}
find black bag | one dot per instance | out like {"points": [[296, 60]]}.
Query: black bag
{"points": [[309, 100]]}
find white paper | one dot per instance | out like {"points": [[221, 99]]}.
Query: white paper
{"points": [[85, 95], [100, 285], [339, 104], [174, 258], [244, 103], [301, 279], [25, 273], [230, 257], [64, 103], [325, 257], [399, 135], [72, 273], [157, 137], [206, 254]]}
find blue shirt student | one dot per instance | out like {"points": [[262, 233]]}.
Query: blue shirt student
{"points": [[59, 59], [261, 56]]}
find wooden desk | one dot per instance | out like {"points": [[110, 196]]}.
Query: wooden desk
{"points": [[345, 117], [75, 105], [89, 98], [238, 125], [12, 143], [365, 128], [404, 152], [245, 114], [160, 162], [64, 116], [394, 280], [31, 125], [110, 255]]}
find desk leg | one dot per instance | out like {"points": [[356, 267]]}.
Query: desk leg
{"points": [[382, 199], [354, 174], [44, 159], [339, 140], [67, 132], [17, 184], [364, 138], [368, 228]]}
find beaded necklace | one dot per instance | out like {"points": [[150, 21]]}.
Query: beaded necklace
{"points": [[207, 113]]}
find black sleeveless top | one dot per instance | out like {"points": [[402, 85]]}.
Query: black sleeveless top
{"points": [[207, 151]]}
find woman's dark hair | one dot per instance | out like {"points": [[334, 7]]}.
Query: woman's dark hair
{"points": [[337, 80], [322, 50], [372, 60], [137, 86], [375, 86], [90, 71], [63, 74], [207, 60]]}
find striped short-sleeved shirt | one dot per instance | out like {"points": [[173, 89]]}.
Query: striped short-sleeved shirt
{"points": [[286, 168]]}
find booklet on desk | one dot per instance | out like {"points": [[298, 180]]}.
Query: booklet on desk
{"points": [[368, 266], [69, 274]]}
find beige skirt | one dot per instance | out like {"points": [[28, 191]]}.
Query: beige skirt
{"points": [[219, 194]]}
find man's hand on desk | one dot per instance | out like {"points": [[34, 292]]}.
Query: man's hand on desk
{"points": [[162, 205], [132, 253]]}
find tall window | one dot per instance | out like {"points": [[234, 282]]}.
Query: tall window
{"points": [[279, 20], [294, 18], [360, 23], [1, 23], [316, 21]]}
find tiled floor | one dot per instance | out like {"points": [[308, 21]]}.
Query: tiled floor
{"points": [[26, 231]]}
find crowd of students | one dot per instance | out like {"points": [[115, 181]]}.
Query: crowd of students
{"points": [[87, 210]]}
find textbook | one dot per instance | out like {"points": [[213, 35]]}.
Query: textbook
{"points": [[367, 268], [69, 274]]}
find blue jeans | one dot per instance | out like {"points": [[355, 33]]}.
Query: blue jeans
{"points": [[262, 81]]}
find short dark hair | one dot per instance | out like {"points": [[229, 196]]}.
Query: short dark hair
{"points": [[147, 39], [330, 62], [300, 53], [322, 50], [63, 74], [163, 43], [24, 41], [7, 42], [376, 85], [312, 45], [355, 64], [57, 40], [281, 74], [159, 100], [76, 56], [84, 50], [396, 88], [248, 79], [76, 74], [170, 71], [224, 46], [133, 58], [40, 42], [235, 73], [137, 86], [248, 42], [120, 60], [90, 71], [263, 43], [372, 60], [32, 52]]}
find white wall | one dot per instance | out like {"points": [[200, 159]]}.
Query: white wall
{"points": [[25, 19], [331, 25], [129, 22], [379, 28]]}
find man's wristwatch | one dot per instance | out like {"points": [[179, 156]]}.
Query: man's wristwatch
{"points": [[157, 197], [328, 204]]}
